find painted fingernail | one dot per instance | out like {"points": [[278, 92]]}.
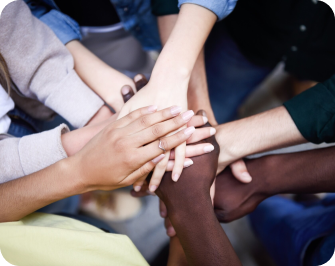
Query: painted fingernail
{"points": [[208, 148], [125, 89], [188, 131], [158, 158], [151, 193], [205, 119], [246, 177], [212, 131], [138, 77], [175, 110], [188, 163], [137, 188], [152, 188], [187, 115], [175, 177], [152, 108]]}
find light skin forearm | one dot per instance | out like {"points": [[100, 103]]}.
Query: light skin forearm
{"points": [[197, 95], [99, 76], [262, 132], [25, 195]]}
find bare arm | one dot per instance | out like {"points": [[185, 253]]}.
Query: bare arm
{"points": [[262, 132], [197, 94]]}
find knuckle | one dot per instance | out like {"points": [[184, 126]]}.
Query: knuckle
{"points": [[177, 120], [164, 144], [144, 121], [156, 131]]}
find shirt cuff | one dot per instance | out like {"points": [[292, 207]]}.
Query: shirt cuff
{"points": [[221, 8], [313, 112], [38, 151], [65, 28], [74, 101]]}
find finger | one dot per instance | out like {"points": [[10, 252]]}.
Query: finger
{"points": [[179, 161], [195, 150], [127, 92], [187, 163], [155, 148], [158, 130], [240, 171], [133, 116], [140, 81], [212, 192], [142, 193], [169, 228], [158, 173], [162, 209], [143, 171], [198, 121], [202, 113], [201, 133], [154, 120]]}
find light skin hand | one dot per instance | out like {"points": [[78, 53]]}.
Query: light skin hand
{"points": [[100, 77], [173, 70]]}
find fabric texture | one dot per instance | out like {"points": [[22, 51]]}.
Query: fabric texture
{"points": [[6, 104], [24, 156], [44, 239], [50, 77], [135, 16], [313, 112], [221, 8]]}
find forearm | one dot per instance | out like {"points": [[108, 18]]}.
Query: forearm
{"points": [[201, 235], [197, 95], [176, 253], [266, 131], [303, 172], [94, 71], [185, 43], [25, 195]]}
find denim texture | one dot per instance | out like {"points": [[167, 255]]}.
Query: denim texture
{"points": [[230, 76], [221, 8], [287, 228], [135, 15]]}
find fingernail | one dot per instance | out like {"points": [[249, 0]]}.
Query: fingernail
{"points": [[202, 112], [152, 108], [163, 214], [188, 163], [187, 115], [138, 77], [170, 232], [208, 148], [152, 188], [125, 89], [175, 110], [246, 177], [158, 158], [151, 193], [205, 119], [137, 188], [212, 131], [189, 130], [175, 177]]}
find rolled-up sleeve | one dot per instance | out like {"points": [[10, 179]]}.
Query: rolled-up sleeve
{"points": [[313, 112], [65, 28], [221, 8]]}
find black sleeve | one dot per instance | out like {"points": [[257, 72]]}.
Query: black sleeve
{"points": [[164, 7]]}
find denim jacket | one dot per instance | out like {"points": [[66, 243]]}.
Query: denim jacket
{"points": [[135, 15]]}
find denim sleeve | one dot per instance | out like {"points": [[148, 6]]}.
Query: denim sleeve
{"points": [[65, 28], [221, 8]]}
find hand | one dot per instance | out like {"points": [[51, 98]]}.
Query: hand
{"points": [[117, 157]]}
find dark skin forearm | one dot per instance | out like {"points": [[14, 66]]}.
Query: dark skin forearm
{"points": [[303, 172], [200, 234]]}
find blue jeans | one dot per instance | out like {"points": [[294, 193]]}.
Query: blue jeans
{"points": [[231, 77], [296, 234], [22, 125]]}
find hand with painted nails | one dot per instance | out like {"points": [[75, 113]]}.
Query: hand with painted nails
{"points": [[128, 149]]}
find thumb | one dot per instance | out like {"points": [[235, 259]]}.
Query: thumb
{"points": [[240, 171]]}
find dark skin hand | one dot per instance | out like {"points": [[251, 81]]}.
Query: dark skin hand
{"points": [[201, 236], [303, 172]]}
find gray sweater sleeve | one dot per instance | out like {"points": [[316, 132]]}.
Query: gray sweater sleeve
{"points": [[41, 66], [24, 156]]}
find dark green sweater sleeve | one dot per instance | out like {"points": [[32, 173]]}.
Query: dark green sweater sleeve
{"points": [[313, 112], [164, 7]]}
